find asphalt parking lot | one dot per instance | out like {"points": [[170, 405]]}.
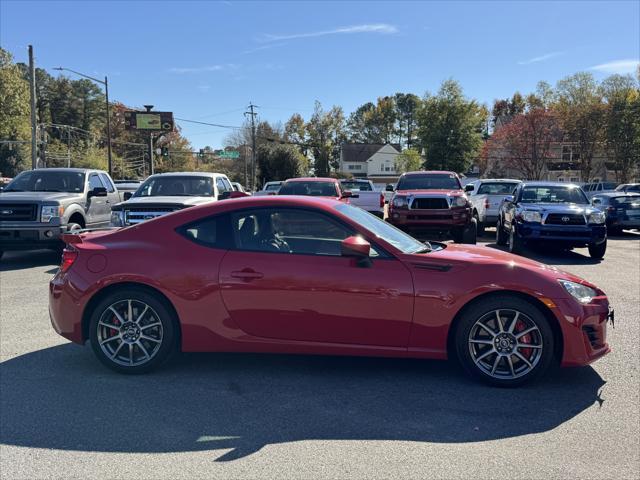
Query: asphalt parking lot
{"points": [[62, 415]]}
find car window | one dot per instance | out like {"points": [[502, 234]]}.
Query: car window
{"points": [[43, 180], [222, 186], [207, 231], [429, 181], [176, 185], [553, 194], [228, 184], [360, 186], [608, 186], [496, 188], [310, 188], [107, 182], [95, 182], [289, 230]]}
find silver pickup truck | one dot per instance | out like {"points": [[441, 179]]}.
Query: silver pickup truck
{"points": [[485, 196], [365, 196], [40, 205]]}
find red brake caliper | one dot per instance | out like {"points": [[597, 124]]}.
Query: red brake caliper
{"points": [[526, 352]]}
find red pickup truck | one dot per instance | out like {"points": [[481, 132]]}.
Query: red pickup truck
{"points": [[432, 202]]}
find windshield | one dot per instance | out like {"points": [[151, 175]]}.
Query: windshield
{"points": [[360, 186], [47, 181], [553, 194], [497, 188], [384, 230], [431, 181], [176, 186], [272, 187], [633, 200], [311, 188]]}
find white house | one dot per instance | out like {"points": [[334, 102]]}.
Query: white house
{"points": [[369, 160]]}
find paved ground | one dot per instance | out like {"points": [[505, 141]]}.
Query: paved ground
{"points": [[224, 416]]}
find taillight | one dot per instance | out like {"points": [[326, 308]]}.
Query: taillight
{"points": [[381, 200], [68, 257], [486, 203]]}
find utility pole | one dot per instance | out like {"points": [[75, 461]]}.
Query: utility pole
{"points": [[253, 144], [109, 160], [34, 127]]}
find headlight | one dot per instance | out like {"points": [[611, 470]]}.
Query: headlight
{"points": [[460, 201], [531, 216], [399, 201], [580, 292], [597, 217], [117, 219], [51, 211]]}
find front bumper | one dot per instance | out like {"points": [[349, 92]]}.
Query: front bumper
{"points": [[570, 234], [584, 330], [418, 219], [28, 237]]}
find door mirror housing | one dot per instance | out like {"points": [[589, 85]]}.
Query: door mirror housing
{"points": [[348, 194], [389, 188], [127, 195], [509, 198], [355, 247], [596, 202], [97, 192], [469, 188]]}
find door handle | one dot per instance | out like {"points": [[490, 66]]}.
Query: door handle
{"points": [[247, 275]]}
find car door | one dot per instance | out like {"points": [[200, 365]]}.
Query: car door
{"points": [[113, 196], [97, 210], [285, 279]]}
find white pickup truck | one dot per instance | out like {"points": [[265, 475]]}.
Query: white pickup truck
{"points": [[485, 196], [269, 188], [365, 196]]}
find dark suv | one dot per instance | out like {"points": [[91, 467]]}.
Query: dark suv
{"points": [[553, 212], [38, 206]]}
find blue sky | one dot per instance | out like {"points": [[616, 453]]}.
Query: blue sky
{"points": [[207, 60]]}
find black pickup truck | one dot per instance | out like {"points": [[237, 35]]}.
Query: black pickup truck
{"points": [[40, 205]]}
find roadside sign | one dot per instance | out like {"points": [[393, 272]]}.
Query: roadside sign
{"points": [[149, 121], [234, 154]]}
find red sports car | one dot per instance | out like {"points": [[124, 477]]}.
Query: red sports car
{"points": [[292, 274]]}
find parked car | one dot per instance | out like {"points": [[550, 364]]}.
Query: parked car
{"points": [[554, 212], [316, 187], [285, 274], [238, 187], [628, 187], [428, 202], [164, 193], [485, 196], [622, 210], [126, 188], [40, 205], [366, 196], [269, 188], [592, 189]]}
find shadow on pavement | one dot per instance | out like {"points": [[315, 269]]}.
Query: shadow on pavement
{"points": [[61, 398], [29, 259], [551, 256]]}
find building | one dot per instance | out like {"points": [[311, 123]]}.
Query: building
{"points": [[376, 162]]}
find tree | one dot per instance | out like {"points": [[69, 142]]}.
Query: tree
{"points": [[582, 115], [295, 132], [622, 131], [14, 116], [407, 106], [450, 128], [279, 162], [524, 144], [360, 125], [408, 161], [325, 131]]}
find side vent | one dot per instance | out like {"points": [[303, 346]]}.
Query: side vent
{"points": [[434, 267]]}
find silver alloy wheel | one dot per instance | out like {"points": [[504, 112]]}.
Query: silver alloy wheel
{"points": [[505, 344], [129, 332]]}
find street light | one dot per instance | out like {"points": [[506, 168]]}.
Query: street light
{"points": [[104, 82]]}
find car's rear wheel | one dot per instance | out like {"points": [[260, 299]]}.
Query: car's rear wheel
{"points": [[597, 250], [504, 341], [501, 237], [133, 331]]}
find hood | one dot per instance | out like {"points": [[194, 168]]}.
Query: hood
{"points": [[27, 197], [430, 192], [559, 208], [166, 200]]}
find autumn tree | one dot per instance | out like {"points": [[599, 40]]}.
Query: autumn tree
{"points": [[408, 161], [407, 106], [325, 133], [451, 128]]}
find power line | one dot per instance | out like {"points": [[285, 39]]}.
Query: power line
{"points": [[206, 123]]}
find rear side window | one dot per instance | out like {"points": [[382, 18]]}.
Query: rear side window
{"points": [[107, 183], [222, 186], [95, 182], [210, 232]]}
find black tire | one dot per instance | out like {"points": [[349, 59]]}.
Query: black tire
{"points": [[1, 254], [508, 305], [501, 237], [479, 226], [515, 244], [470, 233], [597, 250], [158, 311]]}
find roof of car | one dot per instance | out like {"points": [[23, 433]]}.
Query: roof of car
{"points": [[312, 179], [72, 170], [188, 174], [617, 194], [427, 172], [542, 183], [513, 180]]}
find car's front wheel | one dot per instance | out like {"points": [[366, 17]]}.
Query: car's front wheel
{"points": [[501, 236], [597, 250], [504, 341], [515, 242], [133, 331]]}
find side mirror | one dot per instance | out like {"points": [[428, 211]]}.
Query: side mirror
{"points": [[127, 195], [349, 194], [224, 195], [97, 192], [509, 198], [356, 247], [596, 202], [469, 188], [389, 188], [238, 194]]}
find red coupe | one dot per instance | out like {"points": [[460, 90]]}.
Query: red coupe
{"points": [[306, 275]]}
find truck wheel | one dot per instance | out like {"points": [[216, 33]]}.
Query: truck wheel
{"points": [[470, 233], [596, 250], [479, 226], [501, 237], [515, 243]]}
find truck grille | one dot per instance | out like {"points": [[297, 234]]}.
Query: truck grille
{"points": [[430, 204], [18, 212], [139, 215], [561, 219]]}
